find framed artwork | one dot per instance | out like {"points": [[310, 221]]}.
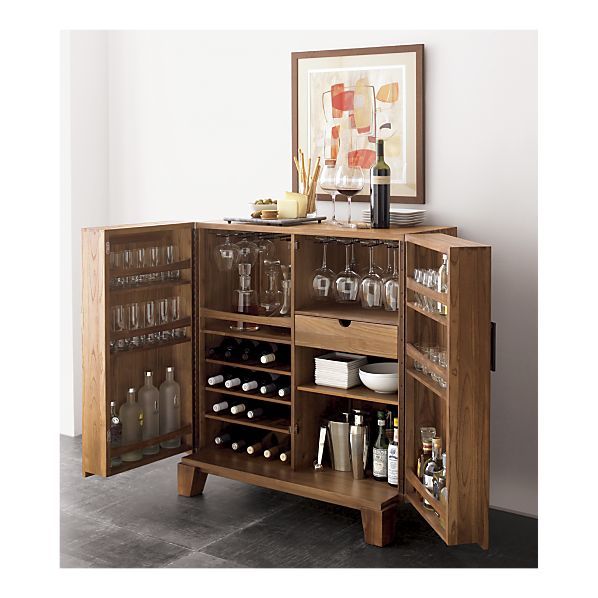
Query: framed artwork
{"points": [[344, 100]]}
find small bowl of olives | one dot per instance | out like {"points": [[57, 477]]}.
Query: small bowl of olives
{"points": [[263, 204]]}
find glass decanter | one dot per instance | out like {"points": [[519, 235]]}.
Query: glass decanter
{"points": [[272, 296], [244, 300], [285, 309]]}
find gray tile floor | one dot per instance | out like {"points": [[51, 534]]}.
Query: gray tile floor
{"points": [[136, 519]]}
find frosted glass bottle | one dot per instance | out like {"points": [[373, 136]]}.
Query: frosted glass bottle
{"points": [[170, 409], [131, 417], [149, 400]]}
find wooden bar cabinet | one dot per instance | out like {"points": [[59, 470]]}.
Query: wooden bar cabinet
{"points": [[460, 410]]}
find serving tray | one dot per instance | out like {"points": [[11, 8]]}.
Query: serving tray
{"points": [[281, 222]]}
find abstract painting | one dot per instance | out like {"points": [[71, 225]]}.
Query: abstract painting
{"points": [[344, 100]]}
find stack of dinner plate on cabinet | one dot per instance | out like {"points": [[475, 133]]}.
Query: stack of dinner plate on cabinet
{"points": [[400, 216], [340, 370]]}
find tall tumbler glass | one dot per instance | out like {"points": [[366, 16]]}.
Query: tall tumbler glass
{"points": [[149, 314], [134, 320], [119, 324], [163, 318]]}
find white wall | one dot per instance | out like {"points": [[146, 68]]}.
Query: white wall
{"points": [[84, 193], [182, 146]]}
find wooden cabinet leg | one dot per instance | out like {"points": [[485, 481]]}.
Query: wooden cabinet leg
{"points": [[190, 480], [379, 526]]}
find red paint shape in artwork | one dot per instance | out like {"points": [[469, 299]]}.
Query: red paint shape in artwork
{"points": [[371, 138], [362, 130], [335, 131], [352, 120], [362, 157], [343, 101], [335, 90]]}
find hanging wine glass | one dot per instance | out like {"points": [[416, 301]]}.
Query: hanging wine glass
{"points": [[363, 271], [346, 284], [322, 281], [349, 182], [392, 284], [328, 184], [226, 254], [248, 251], [371, 285]]}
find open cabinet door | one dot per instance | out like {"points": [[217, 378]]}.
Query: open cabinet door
{"points": [[449, 387], [137, 316]]}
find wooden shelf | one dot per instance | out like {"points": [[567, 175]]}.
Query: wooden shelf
{"points": [[251, 395], [150, 286], [441, 242], [416, 484], [161, 345], [266, 333], [280, 425], [432, 519], [337, 487], [182, 323], [436, 317], [361, 393], [428, 382], [428, 292], [345, 311], [119, 450], [180, 265], [163, 454], [430, 365], [282, 369], [278, 321]]}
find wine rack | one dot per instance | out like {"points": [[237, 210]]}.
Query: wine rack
{"points": [[459, 410]]}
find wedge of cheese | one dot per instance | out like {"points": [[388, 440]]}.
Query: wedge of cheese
{"points": [[287, 208], [301, 200]]}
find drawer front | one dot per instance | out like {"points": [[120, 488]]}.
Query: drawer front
{"points": [[356, 337]]}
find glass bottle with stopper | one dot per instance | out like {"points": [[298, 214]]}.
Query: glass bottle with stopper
{"points": [[245, 299]]}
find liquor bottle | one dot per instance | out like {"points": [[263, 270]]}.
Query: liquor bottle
{"points": [[380, 194], [432, 466], [223, 439], [380, 450], [443, 283], [285, 457], [440, 479], [423, 458], [131, 416], [170, 409], [258, 379], [393, 456], [149, 399], [284, 392], [275, 386], [443, 491], [224, 405], [255, 412], [277, 449], [238, 408], [115, 433], [258, 447], [222, 377], [241, 378]]}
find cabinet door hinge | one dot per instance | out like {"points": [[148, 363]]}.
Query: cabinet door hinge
{"points": [[107, 247]]}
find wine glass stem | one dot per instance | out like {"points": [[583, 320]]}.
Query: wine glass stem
{"points": [[324, 255], [333, 196], [371, 260], [347, 257], [348, 209]]}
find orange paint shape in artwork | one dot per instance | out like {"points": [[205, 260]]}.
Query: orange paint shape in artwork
{"points": [[389, 93], [336, 89], [352, 120], [335, 131], [361, 157], [363, 106], [343, 101], [334, 147]]}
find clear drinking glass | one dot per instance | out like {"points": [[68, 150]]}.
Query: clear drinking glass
{"points": [[322, 281], [150, 319], [349, 181], [346, 284], [163, 318], [392, 283], [371, 284], [134, 322], [328, 184], [153, 260], [119, 324], [174, 309]]}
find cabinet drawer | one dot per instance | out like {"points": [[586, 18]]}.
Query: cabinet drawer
{"points": [[350, 336]]}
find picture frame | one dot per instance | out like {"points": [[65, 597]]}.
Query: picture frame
{"points": [[377, 92]]}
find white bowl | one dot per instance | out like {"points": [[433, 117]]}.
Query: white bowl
{"points": [[380, 377]]}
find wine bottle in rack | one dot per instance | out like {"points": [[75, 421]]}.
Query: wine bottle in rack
{"points": [[239, 445], [248, 350], [224, 405], [255, 412], [259, 379], [223, 439], [277, 449], [227, 350], [267, 352], [275, 386], [239, 379], [286, 456], [238, 408], [222, 377], [380, 194], [257, 448], [285, 391]]}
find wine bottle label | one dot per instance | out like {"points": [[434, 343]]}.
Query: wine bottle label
{"points": [[380, 465], [429, 484], [380, 180], [393, 465], [249, 385]]}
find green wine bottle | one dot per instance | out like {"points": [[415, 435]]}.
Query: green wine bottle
{"points": [[380, 189]]}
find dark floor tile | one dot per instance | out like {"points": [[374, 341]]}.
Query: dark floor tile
{"points": [[202, 560]]}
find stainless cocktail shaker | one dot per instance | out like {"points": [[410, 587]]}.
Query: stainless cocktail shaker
{"points": [[359, 444]]}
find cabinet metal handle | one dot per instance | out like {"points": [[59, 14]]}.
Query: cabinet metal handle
{"points": [[493, 346]]}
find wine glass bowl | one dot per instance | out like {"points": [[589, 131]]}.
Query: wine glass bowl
{"points": [[371, 287], [349, 181], [328, 183], [322, 281], [391, 282], [346, 283]]}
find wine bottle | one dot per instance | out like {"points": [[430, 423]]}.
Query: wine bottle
{"points": [[238, 445], [255, 412], [239, 408], [285, 391], [380, 450], [258, 380], [393, 456], [286, 456], [248, 350], [223, 439], [267, 352], [276, 450], [224, 405], [380, 193], [227, 350], [239, 379], [258, 447], [275, 385], [222, 377]]}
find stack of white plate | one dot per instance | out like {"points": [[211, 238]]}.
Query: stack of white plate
{"points": [[400, 216], [340, 370]]}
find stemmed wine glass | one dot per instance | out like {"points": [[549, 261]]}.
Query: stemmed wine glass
{"points": [[322, 281], [392, 283], [349, 181], [346, 284], [328, 184], [371, 284]]}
